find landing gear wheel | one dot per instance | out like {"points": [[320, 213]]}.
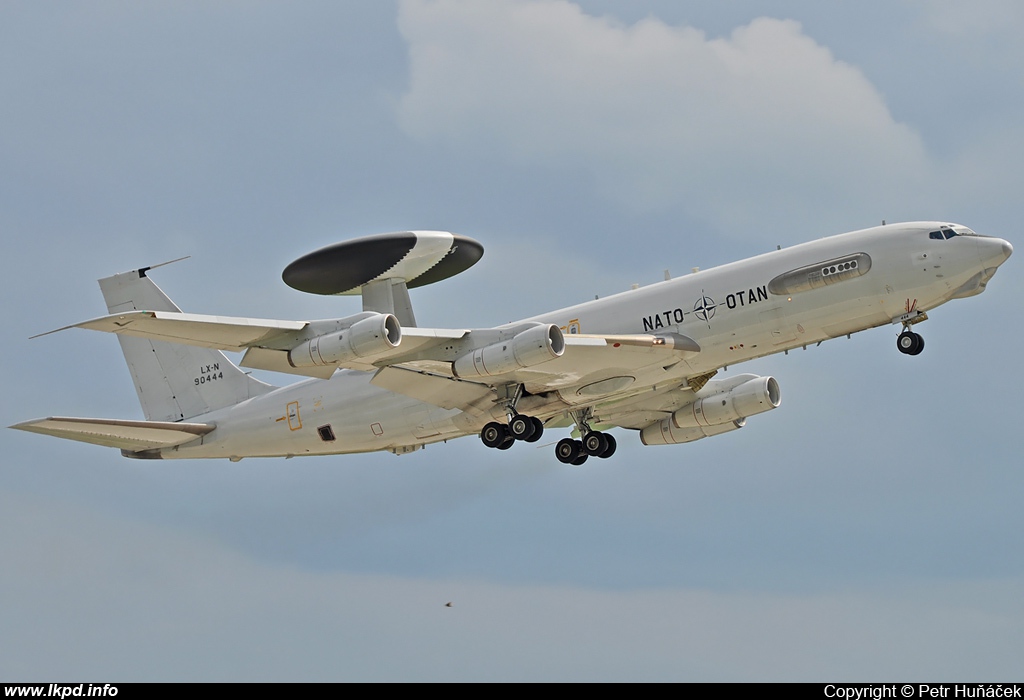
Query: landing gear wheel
{"points": [[494, 435], [521, 427], [581, 459], [595, 443], [538, 429], [507, 444], [568, 450], [910, 343], [611, 446]]}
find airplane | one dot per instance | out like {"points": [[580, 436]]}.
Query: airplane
{"points": [[643, 360]]}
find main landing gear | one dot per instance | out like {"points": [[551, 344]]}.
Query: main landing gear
{"points": [[530, 429], [593, 444], [520, 427]]}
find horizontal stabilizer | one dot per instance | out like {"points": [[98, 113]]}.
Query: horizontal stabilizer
{"points": [[130, 435]]}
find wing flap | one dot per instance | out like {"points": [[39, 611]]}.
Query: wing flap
{"points": [[131, 435], [668, 341], [446, 392]]}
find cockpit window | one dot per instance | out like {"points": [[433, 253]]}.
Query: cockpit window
{"points": [[942, 234]]}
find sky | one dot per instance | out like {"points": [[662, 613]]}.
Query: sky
{"points": [[869, 529]]}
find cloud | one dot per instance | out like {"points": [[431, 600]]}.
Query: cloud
{"points": [[984, 17], [763, 123], [91, 596]]}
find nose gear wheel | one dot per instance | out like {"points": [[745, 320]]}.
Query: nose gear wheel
{"points": [[910, 343]]}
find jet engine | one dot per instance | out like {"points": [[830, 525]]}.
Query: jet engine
{"points": [[719, 407], [753, 396], [664, 432], [365, 339], [526, 349]]}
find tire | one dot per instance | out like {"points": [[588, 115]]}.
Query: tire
{"points": [[595, 443], [521, 427], [494, 434], [908, 342], [568, 450], [611, 446], [538, 429], [920, 345]]}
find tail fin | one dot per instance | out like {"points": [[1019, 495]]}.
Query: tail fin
{"points": [[174, 382]]}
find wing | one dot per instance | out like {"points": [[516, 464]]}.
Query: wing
{"points": [[592, 370], [597, 365], [217, 332], [583, 370], [266, 342]]}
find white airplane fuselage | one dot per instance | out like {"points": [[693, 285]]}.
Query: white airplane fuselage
{"points": [[735, 312]]}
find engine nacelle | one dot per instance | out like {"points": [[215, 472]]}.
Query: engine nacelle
{"points": [[754, 396], [664, 432], [362, 340], [526, 349]]}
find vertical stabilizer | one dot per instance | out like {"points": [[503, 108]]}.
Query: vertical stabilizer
{"points": [[174, 382]]}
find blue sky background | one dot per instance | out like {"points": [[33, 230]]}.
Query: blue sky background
{"points": [[868, 529]]}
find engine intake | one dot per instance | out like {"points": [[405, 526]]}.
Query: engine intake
{"points": [[364, 339], [526, 349]]}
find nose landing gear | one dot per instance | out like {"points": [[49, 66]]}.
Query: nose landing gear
{"points": [[910, 343]]}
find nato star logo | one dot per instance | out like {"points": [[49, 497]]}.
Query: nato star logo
{"points": [[704, 308]]}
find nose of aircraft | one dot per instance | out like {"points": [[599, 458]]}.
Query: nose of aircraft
{"points": [[994, 251]]}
